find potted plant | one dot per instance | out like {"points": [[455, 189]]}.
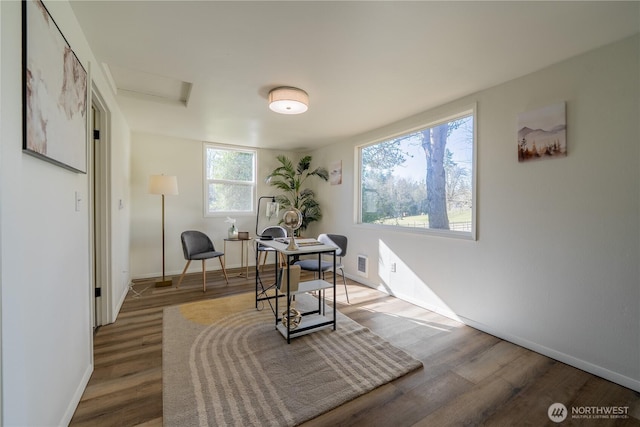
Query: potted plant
{"points": [[291, 180]]}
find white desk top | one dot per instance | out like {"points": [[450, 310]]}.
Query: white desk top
{"points": [[305, 246]]}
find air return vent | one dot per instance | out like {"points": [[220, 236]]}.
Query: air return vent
{"points": [[363, 265]]}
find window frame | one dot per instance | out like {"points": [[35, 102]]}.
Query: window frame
{"points": [[433, 121], [206, 181]]}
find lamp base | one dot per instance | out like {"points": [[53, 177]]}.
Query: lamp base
{"points": [[163, 283]]}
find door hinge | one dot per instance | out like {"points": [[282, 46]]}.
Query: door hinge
{"points": [[98, 292], [96, 134]]}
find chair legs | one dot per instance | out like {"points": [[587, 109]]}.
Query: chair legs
{"points": [[224, 271], [204, 274], [263, 256], [346, 292], [204, 277], [183, 273]]}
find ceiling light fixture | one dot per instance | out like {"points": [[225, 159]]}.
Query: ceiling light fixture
{"points": [[288, 100]]}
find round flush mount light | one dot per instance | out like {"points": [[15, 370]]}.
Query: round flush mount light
{"points": [[288, 100]]}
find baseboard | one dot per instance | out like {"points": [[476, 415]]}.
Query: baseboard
{"points": [[591, 368], [194, 268], [77, 395]]}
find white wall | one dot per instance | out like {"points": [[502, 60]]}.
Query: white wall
{"points": [[154, 154], [556, 264], [44, 251]]}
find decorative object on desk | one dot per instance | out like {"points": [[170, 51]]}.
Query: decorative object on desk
{"points": [[232, 344], [292, 219], [291, 181], [243, 235], [233, 231], [163, 185], [55, 95], [272, 209]]}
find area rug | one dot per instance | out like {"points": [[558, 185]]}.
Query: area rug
{"points": [[225, 364]]}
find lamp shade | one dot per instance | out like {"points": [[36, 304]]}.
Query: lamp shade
{"points": [[288, 100], [163, 184]]}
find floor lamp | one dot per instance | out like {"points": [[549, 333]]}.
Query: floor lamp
{"points": [[163, 185]]}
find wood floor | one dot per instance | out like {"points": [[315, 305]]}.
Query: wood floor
{"points": [[469, 377]]}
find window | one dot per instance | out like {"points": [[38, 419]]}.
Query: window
{"points": [[422, 180], [229, 180]]}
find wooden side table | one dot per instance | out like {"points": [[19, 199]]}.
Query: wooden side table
{"points": [[244, 255]]}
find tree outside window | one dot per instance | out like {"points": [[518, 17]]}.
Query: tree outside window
{"points": [[422, 179], [230, 180]]}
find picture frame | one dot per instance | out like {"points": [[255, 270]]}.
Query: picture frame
{"points": [[542, 133], [54, 92], [335, 172]]}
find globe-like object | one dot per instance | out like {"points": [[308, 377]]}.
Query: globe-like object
{"points": [[292, 218]]}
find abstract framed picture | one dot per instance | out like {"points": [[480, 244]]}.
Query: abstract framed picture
{"points": [[54, 92], [335, 172], [542, 133]]}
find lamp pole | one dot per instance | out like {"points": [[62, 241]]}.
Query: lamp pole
{"points": [[162, 185], [164, 281]]}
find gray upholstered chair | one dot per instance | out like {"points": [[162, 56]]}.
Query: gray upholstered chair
{"points": [[198, 246], [274, 232], [312, 264]]}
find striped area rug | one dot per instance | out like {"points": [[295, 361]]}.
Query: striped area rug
{"points": [[224, 364]]}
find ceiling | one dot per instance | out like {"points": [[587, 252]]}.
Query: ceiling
{"points": [[202, 69]]}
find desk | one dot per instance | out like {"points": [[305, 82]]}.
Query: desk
{"points": [[312, 320], [244, 253]]}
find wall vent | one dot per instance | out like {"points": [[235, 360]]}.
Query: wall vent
{"points": [[363, 265]]}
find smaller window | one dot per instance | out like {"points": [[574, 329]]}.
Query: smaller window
{"points": [[229, 180]]}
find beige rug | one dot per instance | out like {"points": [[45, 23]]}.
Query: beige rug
{"points": [[225, 364]]}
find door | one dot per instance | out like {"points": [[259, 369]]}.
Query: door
{"points": [[100, 216]]}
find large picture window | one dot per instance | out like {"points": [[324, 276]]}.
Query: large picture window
{"points": [[423, 179], [229, 180]]}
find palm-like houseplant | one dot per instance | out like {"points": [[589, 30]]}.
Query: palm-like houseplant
{"points": [[290, 180]]}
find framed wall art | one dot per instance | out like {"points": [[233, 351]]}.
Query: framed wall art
{"points": [[542, 133], [335, 172], [54, 92]]}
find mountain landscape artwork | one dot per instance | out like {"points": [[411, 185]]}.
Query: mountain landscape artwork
{"points": [[542, 133]]}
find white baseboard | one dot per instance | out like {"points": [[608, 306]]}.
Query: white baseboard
{"points": [[591, 368], [77, 395], [559, 356]]}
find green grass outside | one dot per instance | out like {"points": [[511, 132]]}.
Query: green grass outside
{"points": [[422, 220]]}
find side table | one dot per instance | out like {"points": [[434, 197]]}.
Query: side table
{"points": [[244, 255]]}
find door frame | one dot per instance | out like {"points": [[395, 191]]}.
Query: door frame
{"points": [[100, 206]]}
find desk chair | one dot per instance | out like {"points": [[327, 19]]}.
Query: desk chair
{"points": [[197, 245], [275, 232], [312, 264]]}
